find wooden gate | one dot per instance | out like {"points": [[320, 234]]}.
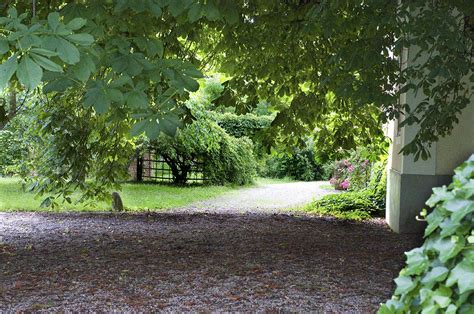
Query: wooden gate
{"points": [[151, 167]]}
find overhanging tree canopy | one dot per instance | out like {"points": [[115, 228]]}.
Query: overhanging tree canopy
{"points": [[316, 61]]}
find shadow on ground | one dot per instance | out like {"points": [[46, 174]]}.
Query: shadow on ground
{"points": [[195, 262]]}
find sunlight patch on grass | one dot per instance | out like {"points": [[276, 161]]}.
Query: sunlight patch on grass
{"points": [[136, 197]]}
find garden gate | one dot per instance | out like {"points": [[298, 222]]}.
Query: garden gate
{"points": [[150, 166]]}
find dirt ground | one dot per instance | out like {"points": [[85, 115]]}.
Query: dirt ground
{"points": [[196, 262]]}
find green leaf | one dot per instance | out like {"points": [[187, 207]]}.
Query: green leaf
{"points": [[46, 63], [53, 20], [137, 99], [155, 8], [84, 68], [436, 274], [417, 262], [139, 127], [76, 23], [4, 46], [29, 73], [404, 284], [434, 219], [67, 51], [44, 52], [190, 84], [439, 194], [47, 202], [152, 129], [448, 248], [176, 8], [195, 12], [97, 97], [451, 309], [82, 39], [7, 69], [169, 124], [193, 72], [160, 49], [463, 275]]}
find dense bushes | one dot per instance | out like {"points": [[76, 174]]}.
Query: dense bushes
{"points": [[233, 163], [243, 125], [12, 151], [439, 275], [349, 205], [357, 204], [226, 159], [301, 164]]}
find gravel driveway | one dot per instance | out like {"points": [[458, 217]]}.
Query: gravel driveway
{"points": [[197, 261], [267, 198]]}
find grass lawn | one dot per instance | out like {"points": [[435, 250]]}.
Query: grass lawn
{"points": [[262, 181], [135, 197]]}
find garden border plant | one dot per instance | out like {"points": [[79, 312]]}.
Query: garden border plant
{"points": [[439, 275]]}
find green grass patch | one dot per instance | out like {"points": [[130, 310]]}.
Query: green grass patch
{"points": [[262, 181], [136, 197]]}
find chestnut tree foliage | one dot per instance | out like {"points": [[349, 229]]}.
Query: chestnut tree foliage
{"points": [[328, 67]]}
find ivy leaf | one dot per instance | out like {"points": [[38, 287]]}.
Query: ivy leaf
{"points": [[463, 275], [436, 274], [404, 284], [434, 219], [45, 63], [29, 73], [459, 208], [417, 262], [448, 247], [7, 69], [449, 227], [439, 194]]}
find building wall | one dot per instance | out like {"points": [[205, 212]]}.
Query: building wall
{"points": [[410, 182], [453, 150]]}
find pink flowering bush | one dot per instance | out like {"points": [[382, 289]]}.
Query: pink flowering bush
{"points": [[345, 184], [351, 174]]}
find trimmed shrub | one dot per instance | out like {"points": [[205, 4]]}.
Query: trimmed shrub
{"points": [[245, 125], [439, 275], [356, 205], [347, 205]]}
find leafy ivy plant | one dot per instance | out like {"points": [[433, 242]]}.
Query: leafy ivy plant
{"points": [[439, 275]]}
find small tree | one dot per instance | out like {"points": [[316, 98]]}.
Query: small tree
{"points": [[226, 159]]}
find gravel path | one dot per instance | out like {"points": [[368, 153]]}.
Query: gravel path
{"points": [[268, 198], [195, 262]]}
